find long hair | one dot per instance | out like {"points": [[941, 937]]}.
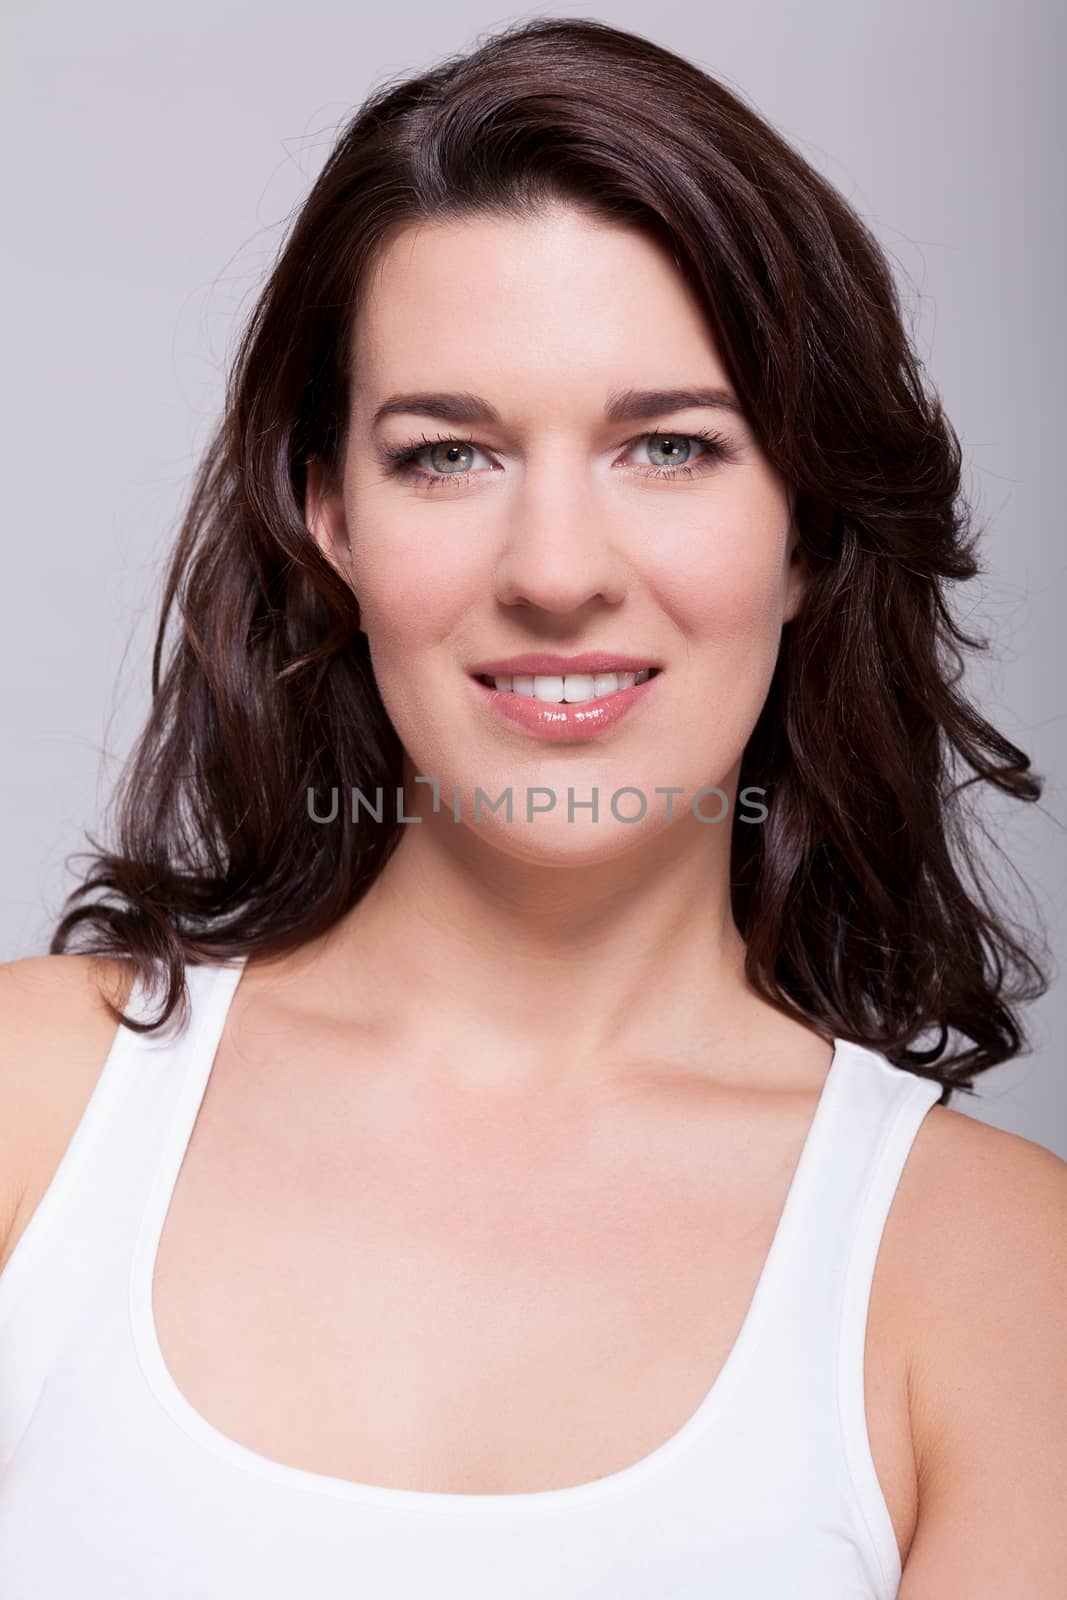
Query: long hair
{"points": [[852, 897]]}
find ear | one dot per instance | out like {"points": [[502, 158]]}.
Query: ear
{"points": [[324, 516], [798, 577], [796, 584]]}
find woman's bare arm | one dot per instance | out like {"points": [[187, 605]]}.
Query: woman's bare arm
{"points": [[988, 1367]]}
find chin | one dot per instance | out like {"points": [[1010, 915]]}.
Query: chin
{"points": [[552, 841]]}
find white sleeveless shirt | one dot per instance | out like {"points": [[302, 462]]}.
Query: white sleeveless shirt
{"points": [[113, 1487]]}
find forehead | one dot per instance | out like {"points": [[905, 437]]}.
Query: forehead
{"points": [[556, 295]]}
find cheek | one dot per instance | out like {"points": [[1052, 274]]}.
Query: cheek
{"points": [[727, 601], [412, 600], [410, 593], [726, 586]]}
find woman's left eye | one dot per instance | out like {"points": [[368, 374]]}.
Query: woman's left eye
{"points": [[450, 459]]}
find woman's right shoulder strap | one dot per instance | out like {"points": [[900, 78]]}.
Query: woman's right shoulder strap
{"points": [[66, 1071]]}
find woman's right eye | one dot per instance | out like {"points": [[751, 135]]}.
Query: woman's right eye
{"points": [[448, 455], [451, 458]]}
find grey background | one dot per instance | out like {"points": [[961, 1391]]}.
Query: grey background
{"points": [[152, 158]]}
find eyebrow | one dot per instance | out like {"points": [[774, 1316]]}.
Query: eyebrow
{"points": [[626, 405]]}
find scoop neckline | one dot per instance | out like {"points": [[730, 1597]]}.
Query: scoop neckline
{"points": [[209, 1017]]}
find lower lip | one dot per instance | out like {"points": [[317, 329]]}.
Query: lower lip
{"points": [[565, 722]]}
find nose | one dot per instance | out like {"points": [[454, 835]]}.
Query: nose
{"points": [[560, 550]]}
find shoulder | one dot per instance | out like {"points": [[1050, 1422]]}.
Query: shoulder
{"points": [[979, 1260], [67, 978], [55, 1034], [971, 1192]]}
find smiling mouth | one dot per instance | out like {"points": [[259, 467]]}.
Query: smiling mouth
{"points": [[565, 689]]}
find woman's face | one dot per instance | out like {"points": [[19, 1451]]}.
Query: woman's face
{"points": [[550, 527]]}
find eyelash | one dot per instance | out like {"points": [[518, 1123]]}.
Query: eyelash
{"points": [[398, 458]]}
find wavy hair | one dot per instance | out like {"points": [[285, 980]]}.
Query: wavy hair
{"points": [[852, 898]]}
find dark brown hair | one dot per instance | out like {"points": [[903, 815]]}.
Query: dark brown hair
{"points": [[850, 896]]}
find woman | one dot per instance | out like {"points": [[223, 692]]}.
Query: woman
{"points": [[489, 1201]]}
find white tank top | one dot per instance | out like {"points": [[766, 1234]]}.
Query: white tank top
{"points": [[113, 1487]]}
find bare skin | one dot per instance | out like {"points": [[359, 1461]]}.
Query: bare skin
{"points": [[529, 1062]]}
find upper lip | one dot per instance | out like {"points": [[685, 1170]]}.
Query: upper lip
{"points": [[546, 665]]}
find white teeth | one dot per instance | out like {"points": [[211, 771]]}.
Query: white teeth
{"points": [[573, 688]]}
